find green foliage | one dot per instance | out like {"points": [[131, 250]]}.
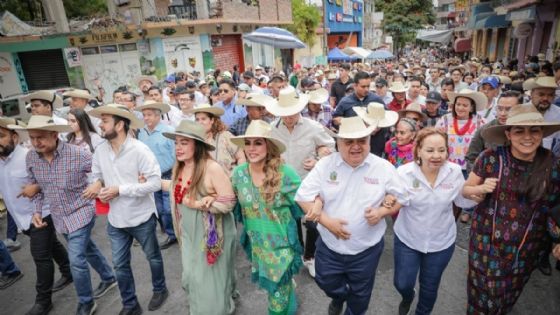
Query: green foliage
{"points": [[403, 17], [78, 8], [30, 10], [306, 19], [25, 10]]}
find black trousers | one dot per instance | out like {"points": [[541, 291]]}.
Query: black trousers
{"points": [[45, 250], [310, 239]]}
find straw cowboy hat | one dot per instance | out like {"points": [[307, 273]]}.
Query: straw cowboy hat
{"points": [[78, 94], [118, 110], [5, 122], [192, 130], [45, 96], [207, 108], [521, 115], [150, 78], [504, 79], [375, 114], [256, 99], [413, 108], [540, 82], [354, 128], [289, 103], [398, 87], [259, 129], [479, 98], [40, 122], [318, 96], [149, 104]]}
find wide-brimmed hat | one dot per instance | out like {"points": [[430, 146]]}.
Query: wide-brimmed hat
{"points": [[149, 104], [520, 115], [44, 95], [540, 82], [256, 99], [207, 108], [259, 129], [479, 98], [354, 128], [413, 108], [118, 110], [289, 103], [398, 87], [40, 122], [318, 96], [5, 122], [189, 129], [375, 114], [78, 94], [504, 79], [152, 79]]}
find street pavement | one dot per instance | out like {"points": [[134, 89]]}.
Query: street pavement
{"points": [[541, 295]]}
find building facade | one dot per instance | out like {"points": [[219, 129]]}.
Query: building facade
{"points": [[344, 20]]}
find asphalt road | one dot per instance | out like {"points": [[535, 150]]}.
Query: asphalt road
{"points": [[541, 295]]}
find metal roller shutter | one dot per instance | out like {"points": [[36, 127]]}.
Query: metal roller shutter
{"points": [[44, 69]]}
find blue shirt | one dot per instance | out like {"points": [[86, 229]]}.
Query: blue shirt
{"points": [[162, 147], [344, 107], [232, 112]]}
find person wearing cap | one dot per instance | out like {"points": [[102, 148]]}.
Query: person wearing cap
{"points": [[360, 97], [447, 86], [398, 90], [202, 201], [542, 91], [117, 165], [249, 79], [490, 86], [44, 103], [45, 247], [242, 90], [255, 105], [228, 99], [173, 116], [318, 108], [152, 135], [265, 188], [413, 93], [259, 74], [61, 171], [351, 186], [508, 234], [398, 149], [225, 152], [433, 110], [186, 102], [198, 96], [338, 87]]}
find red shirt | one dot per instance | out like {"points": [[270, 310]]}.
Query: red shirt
{"points": [[394, 106]]}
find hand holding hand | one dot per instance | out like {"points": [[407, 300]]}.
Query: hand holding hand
{"points": [[374, 215], [30, 190], [92, 191], [108, 193], [489, 185], [315, 212]]}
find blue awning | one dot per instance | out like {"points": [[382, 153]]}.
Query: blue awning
{"points": [[492, 21], [479, 12]]}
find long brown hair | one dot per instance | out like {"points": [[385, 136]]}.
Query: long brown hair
{"points": [[200, 157], [273, 178], [217, 126]]}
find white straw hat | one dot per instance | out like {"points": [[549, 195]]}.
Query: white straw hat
{"points": [[189, 129], [289, 103], [40, 122], [318, 96], [149, 104], [118, 110], [207, 108], [354, 128], [375, 114], [45, 96]]}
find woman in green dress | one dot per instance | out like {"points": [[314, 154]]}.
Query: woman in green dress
{"points": [[203, 199], [266, 188]]}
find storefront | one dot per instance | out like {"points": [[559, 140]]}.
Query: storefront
{"points": [[344, 20]]}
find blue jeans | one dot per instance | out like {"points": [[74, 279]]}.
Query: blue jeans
{"points": [[12, 230], [7, 265], [121, 241], [431, 266], [347, 278], [81, 251], [164, 212]]}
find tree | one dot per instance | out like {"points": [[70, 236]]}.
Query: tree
{"points": [[402, 18], [31, 10], [306, 18], [80, 8]]}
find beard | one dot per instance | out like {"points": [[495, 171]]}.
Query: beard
{"points": [[5, 151], [543, 107], [110, 135]]}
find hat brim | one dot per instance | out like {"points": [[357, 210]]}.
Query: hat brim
{"points": [[57, 128], [358, 134], [135, 123], [496, 134], [479, 99], [78, 95], [319, 96], [239, 141], [164, 108], [216, 111], [390, 119], [58, 102], [281, 111], [402, 114], [173, 135]]}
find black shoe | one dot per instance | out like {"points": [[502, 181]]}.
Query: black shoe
{"points": [[8, 280], [136, 310], [62, 283], [167, 243], [404, 306], [157, 300], [86, 309], [544, 266], [39, 309], [103, 287], [557, 265], [335, 309]]}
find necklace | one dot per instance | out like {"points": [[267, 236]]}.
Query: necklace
{"points": [[464, 129], [181, 191]]}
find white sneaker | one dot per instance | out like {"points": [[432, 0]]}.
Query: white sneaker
{"points": [[310, 265], [12, 245]]}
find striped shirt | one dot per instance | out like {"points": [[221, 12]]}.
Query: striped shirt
{"points": [[62, 182]]}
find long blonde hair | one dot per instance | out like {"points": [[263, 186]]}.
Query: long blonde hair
{"points": [[272, 179], [200, 157]]}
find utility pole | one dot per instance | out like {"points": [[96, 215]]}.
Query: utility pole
{"points": [[325, 19]]}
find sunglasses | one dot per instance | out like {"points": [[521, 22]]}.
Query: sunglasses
{"points": [[223, 91]]}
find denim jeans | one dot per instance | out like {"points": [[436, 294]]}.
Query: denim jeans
{"points": [[7, 265], [121, 241], [408, 262], [12, 230], [164, 212], [81, 251]]}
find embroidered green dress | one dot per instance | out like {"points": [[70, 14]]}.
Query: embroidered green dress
{"points": [[270, 237]]}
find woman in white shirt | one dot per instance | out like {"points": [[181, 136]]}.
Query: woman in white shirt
{"points": [[425, 230], [83, 132]]}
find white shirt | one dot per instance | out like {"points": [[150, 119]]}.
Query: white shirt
{"points": [[427, 223], [135, 203], [552, 115], [302, 142], [200, 98], [420, 99], [347, 192], [173, 117], [489, 114], [13, 176]]}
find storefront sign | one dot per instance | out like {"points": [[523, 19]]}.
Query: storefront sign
{"points": [[347, 7], [523, 30], [73, 57]]}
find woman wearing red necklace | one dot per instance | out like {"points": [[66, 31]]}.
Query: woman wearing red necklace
{"points": [[461, 125]]}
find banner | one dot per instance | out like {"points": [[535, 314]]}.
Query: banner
{"points": [[73, 57]]}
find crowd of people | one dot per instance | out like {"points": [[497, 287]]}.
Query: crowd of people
{"points": [[254, 159]]}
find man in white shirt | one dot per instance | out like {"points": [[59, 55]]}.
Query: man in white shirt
{"points": [[351, 185], [542, 95], [413, 94], [171, 118], [44, 244], [490, 87], [117, 165]]}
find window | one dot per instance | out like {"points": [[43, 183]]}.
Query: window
{"points": [[127, 47], [108, 49], [90, 51]]}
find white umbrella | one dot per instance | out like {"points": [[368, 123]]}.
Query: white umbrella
{"points": [[276, 37]]}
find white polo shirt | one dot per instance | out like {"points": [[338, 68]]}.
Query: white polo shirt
{"points": [[427, 223], [347, 192], [552, 114]]}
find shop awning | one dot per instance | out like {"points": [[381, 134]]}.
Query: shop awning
{"points": [[492, 21], [462, 45], [451, 15], [525, 14], [435, 36], [359, 52]]}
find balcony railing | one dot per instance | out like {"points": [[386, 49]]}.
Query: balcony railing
{"points": [[183, 9]]}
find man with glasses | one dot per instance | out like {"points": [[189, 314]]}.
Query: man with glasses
{"points": [[232, 111], [249, 79], [338, 88]]}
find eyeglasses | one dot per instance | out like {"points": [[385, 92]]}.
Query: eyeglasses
{"points": [[223, 91], [379, 86]]}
